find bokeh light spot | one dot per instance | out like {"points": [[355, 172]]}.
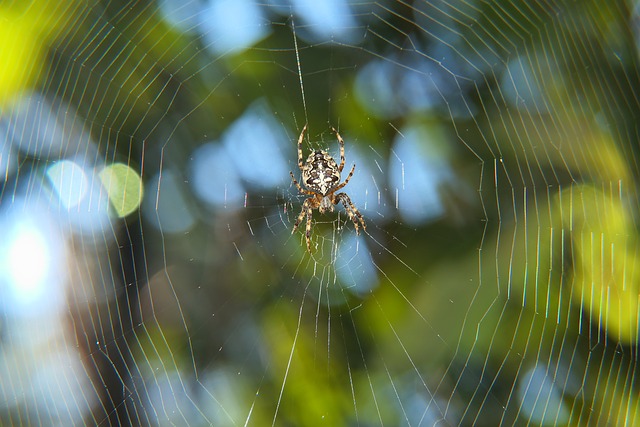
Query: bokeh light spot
{"points": [[69, 181], [233, 25], [123, 186], [169, 211], [214, 177], [28, 261], [31, 254], [419, 174], [327, 19]]}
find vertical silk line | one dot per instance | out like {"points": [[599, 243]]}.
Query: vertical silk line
{"points": [[295, 44]]}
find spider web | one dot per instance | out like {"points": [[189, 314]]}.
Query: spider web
{"points": [[149, 274]]}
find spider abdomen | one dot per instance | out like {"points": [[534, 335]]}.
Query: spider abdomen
{"points": [[320, 173]]}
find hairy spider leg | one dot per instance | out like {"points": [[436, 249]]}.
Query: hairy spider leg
{"points": [[308, 210], [302, 190], [333, 190], [307, 233], [306, 207], [341, 142], [300, 139], [351, 210]]}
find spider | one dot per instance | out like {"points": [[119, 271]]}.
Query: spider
{"points": [[321, 177]]}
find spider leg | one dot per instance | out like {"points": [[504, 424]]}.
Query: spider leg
{"points": [[341, 142], [308, 211], [307, 233], [353, 212], [346, 180], [300, 139], [302, 190], [305, 209]]}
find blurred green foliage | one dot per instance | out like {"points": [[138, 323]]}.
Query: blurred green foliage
{"points": [[541, 269]]}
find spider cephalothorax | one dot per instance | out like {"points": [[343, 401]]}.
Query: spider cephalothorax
{"points": [[321, 177]]}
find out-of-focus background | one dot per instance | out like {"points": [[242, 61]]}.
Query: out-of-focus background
{"points": [[148, 271]]}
